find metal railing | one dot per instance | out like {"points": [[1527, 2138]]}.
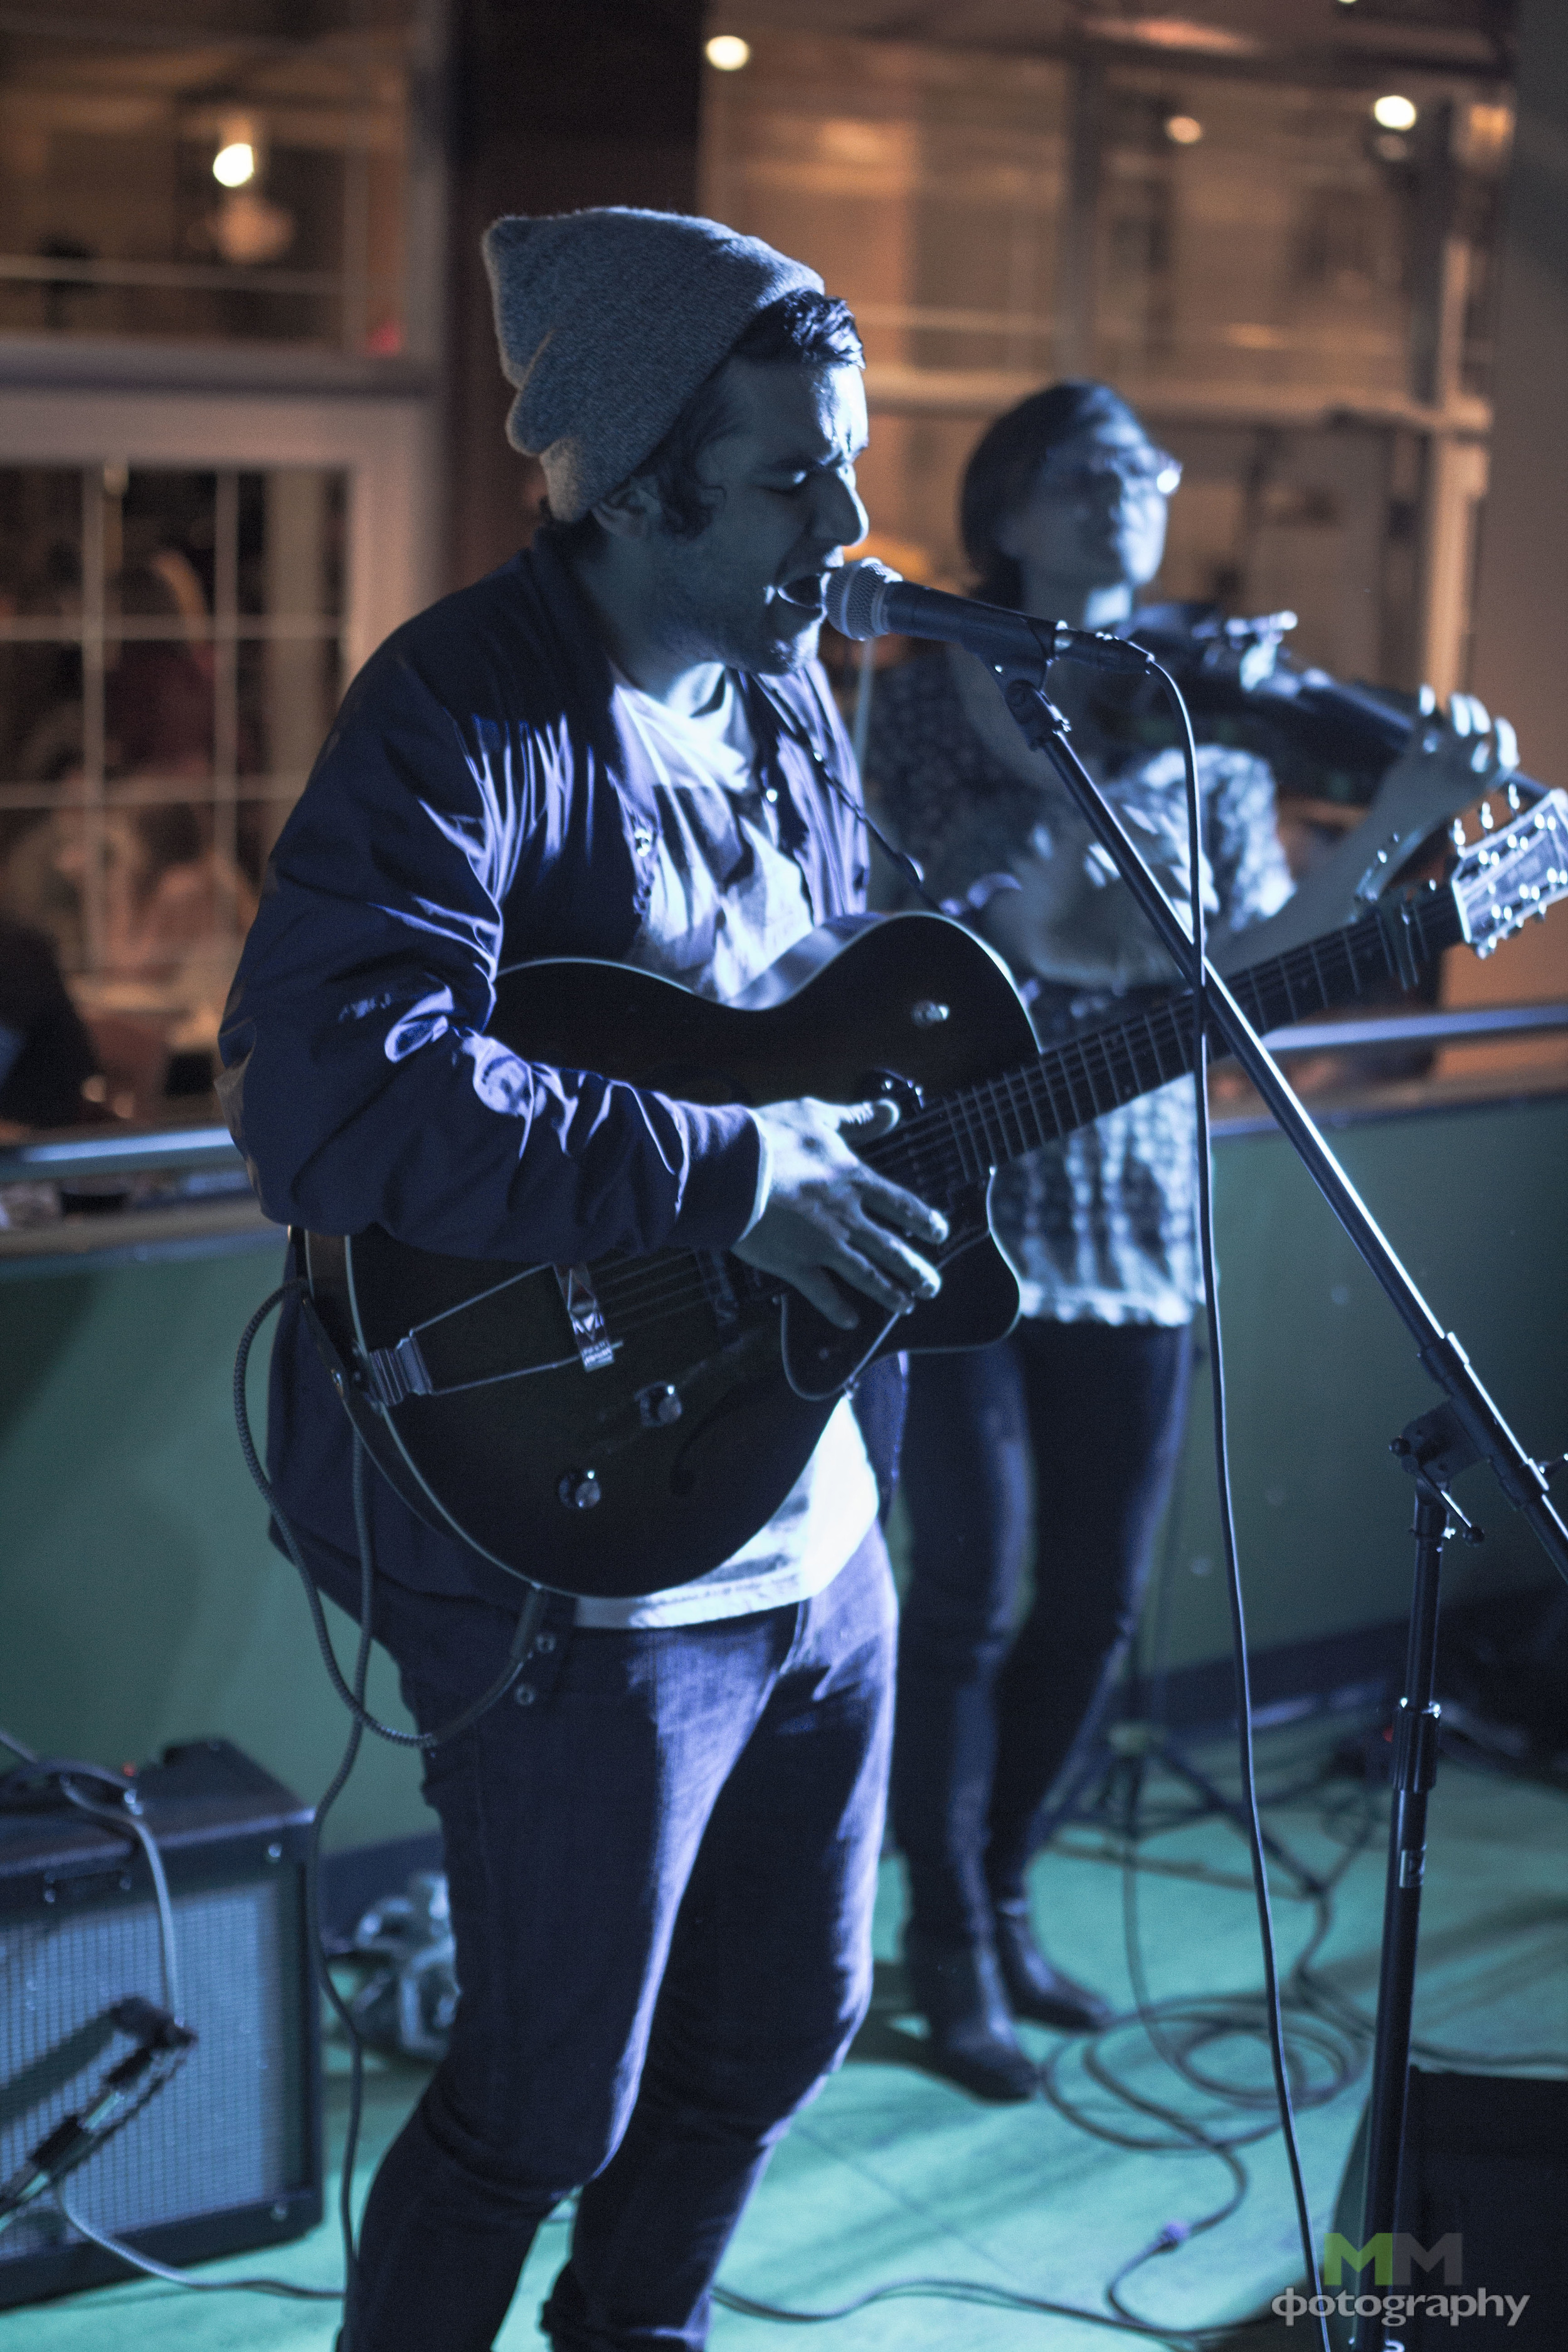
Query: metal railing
{"points": [[107, 1151], [99, 1151]]}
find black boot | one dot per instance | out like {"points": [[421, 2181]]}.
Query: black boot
{"points": [[958, 1990], [1036, 1990]]}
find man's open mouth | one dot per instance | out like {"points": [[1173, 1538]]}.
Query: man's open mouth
{"points": [[807, 595]]}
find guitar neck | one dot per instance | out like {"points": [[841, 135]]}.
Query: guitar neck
{"points": [[1096, 1071]]}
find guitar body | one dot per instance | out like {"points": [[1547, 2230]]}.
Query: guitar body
{"points": [[611, 1430]]}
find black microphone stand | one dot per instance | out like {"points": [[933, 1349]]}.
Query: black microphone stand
{"points": [[1466, 1429]]}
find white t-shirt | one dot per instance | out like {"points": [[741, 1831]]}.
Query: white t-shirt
{"points": [[726, 902]]}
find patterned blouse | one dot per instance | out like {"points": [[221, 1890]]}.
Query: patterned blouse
{"points": [[1100, 1228]]}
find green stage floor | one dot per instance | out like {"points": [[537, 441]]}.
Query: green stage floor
{"points": [[894, 2174]]}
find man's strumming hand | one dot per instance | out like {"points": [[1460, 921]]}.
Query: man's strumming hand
{"points": [[830, 1218]]}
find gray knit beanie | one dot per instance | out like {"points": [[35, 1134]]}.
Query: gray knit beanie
{"points": [[607, 321]]}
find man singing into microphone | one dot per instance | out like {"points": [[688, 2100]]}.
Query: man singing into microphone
{"points": [[662, 1845]]}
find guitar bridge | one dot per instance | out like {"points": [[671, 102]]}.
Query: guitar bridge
{"points": [[586, 1317]]}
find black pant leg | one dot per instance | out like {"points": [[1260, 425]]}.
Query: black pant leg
{"points": [[570, 1828], [768, 1976], [965, 1484], [1107, 1409]]}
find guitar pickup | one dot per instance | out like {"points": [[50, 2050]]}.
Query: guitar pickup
{"points": [[398, 1371], [586, 1317]]}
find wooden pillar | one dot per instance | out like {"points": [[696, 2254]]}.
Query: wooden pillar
{"points": [[555, 107], [1520, 662], [1078, 259]]}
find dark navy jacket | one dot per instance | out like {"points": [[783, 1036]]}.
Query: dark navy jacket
{"points": [[476, 805]]}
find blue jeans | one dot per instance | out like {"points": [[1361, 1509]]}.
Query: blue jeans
{"points": [[1085, 1422], [662, 1872]]}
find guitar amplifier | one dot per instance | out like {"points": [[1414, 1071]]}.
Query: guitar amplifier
{"points": [[227, 2155]]}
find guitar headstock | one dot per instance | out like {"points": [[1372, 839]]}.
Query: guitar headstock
{"points": [[1506, 877]]}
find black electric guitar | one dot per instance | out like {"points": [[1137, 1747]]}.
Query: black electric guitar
{"points": [[614, 1428]]}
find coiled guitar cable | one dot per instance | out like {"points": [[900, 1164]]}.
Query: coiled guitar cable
{"points": [[533, 1610]]}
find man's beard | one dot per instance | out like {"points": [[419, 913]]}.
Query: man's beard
{"points": [[696, 618]]}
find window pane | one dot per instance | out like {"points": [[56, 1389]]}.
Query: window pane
{"points": [[291, 523], [288, 691], [167, 550], [116, 219], [40, 594], [1251, 235]]}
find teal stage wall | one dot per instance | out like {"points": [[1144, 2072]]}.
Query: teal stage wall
{"points": [[140, 1601], [1321, 1372]]}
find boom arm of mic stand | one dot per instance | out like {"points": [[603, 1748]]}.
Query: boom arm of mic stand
{"points": [[1438, 1351]]}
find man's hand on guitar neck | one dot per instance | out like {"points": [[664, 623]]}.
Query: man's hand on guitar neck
{"points": [[828, 1219]]}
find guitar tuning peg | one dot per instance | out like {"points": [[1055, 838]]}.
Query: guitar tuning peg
{"points": [[1487, 818], [1513, 799], [1457, 832]]}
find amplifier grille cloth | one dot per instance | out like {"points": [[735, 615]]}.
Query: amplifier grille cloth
{"points": [[225, 2132]]}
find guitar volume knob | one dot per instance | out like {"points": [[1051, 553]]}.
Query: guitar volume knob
{"points": [[580, 1489], [659, 1405]]}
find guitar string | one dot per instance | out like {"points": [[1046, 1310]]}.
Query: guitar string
{"points": [[1010, 1105], [633, 1312], [523, 1274], [627, 1326], [1162, 1025], [678, 1288], [960, 1126], [1166, 1032], [489, 1379], [945, 1156], [645, 1297], [679, 1291], [1016, 1096], [965, 1153]]}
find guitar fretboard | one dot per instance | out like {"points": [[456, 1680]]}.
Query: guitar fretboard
{"points": [[960, 1139]]}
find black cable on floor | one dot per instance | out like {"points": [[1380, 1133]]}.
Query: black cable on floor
{"points": [[997, 2298]]}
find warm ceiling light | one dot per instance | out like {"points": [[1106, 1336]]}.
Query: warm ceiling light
{"points": [[1394, 112], [235, 165], [1173, 33], [727, 52], [1184, 129]]}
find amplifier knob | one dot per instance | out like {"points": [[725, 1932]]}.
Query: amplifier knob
{"points": [[928, 1014], [580, 1490]]}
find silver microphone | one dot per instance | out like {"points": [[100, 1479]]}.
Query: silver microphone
{"points": [[869, 599]]}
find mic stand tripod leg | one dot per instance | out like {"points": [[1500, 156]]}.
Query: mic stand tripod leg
{"points": [[1415, 1771], [1149, 1741]]}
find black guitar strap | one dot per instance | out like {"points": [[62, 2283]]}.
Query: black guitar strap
{"points": [[789, 724]]}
